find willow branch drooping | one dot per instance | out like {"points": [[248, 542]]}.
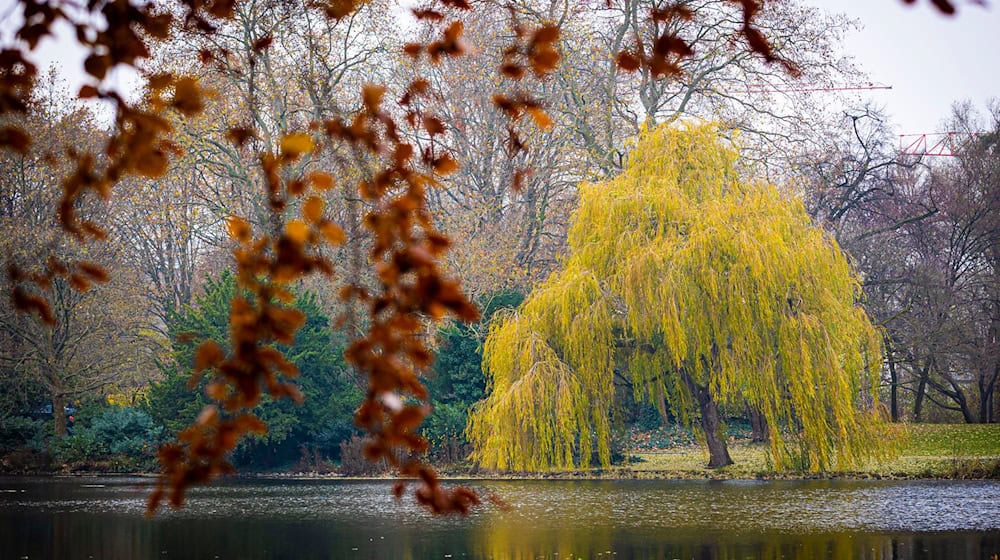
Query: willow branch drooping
{"points": [[681, 267]]}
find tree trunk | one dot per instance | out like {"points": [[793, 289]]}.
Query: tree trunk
{"points": [[759, 432], [710, 423], [59, 414], [986, 387], [714, 433], [918, 401], [963, 404], [893, 384], [996, 404]]}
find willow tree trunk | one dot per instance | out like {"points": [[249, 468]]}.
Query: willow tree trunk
{"points": [[759, 432], [711, 424]]}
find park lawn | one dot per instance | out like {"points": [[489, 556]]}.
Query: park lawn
{"points": [[930, 451], [953, 440]]}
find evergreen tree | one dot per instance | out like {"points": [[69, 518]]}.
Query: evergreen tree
{"points": [[322, 421]]}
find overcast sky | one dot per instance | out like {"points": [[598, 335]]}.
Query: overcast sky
{"points": [[931, 61]]}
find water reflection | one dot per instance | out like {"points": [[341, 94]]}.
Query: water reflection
{"points": [[257, 520]]}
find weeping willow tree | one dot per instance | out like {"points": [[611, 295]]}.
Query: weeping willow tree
{"points": [[698, 286]]}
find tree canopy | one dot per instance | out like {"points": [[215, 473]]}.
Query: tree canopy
{"points": [[685, 276]]}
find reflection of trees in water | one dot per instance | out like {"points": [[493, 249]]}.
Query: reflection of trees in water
{"points": [[562, 539], [550, 520]]}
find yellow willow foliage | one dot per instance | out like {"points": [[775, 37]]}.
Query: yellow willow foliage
{"points": [[682, 264]]}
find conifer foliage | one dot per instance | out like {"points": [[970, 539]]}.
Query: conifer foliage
{"points": [[685, 278]]}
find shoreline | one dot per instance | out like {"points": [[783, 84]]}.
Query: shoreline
{"points": [[990, 471]]}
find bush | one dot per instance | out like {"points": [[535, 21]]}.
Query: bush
{"points": [[125, 431], [20, 431], [25, 460], [122, 439], [328, 440], [311, 460], [353, 461], [77, 448]]}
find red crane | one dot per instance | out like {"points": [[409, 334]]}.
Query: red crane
{"points": [[797, 88], [940, 144]]}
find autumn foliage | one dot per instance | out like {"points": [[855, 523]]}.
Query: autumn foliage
{"points": [[406, 248]]}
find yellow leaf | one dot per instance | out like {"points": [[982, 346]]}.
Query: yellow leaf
{"points": [[296, 144], [238, 229], [333, 234], [541, 118], [312, 210], [297, 231]]}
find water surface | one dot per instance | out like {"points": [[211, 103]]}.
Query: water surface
{"points": [[267, 519]]}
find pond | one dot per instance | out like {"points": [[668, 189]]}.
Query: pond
{"points": [[255, 519]]}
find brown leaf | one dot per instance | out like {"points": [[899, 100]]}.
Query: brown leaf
{"points": [[512, 70], [27, 303], [371, 96], [339, 9], [546, 34], [413, 50], [427, 14], [208, 355], [15, 138], [445, 165], [93, 230], [408, 418], [321, 181], [433, 125], [541, 118], [544, 61], [97, 65], [240, 136], [519, 177], [94, 271], [628, 61], [263, 43], [79, 283], [187, 96]]}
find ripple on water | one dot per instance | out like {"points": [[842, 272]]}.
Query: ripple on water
{"points": [[739, 506]]}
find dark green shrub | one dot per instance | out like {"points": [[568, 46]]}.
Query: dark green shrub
{"points": [[126, 431], [21, 431]]}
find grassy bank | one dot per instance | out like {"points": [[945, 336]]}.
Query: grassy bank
{"points": [[930, 451]]}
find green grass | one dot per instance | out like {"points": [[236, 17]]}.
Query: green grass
{"points": [[931, 451], [951, 440]]}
